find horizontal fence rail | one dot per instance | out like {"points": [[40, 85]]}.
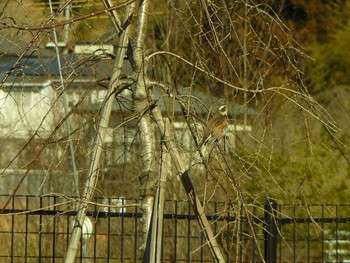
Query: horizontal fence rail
{"points": [[37, 229]]}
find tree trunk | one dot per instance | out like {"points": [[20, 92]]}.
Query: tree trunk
{"points": [[149, 175], [98, 145]]}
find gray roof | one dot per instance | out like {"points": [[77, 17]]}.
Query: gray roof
{"points": [[36, 67], [203, 103]]}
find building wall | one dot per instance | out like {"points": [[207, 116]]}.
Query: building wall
{"points": [[25, 110]]}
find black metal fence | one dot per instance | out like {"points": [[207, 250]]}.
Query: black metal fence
{"points": [[36, 229]]}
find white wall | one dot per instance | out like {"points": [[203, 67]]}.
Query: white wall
{"points": [[25, 109]]}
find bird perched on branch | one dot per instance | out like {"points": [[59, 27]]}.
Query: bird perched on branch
{"points": [[215, 128]]}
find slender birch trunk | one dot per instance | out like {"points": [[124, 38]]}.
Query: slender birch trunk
{"points": [[148, 176], [98, 145]]}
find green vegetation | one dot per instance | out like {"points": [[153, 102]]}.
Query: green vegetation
{"points": [[322, 28]]}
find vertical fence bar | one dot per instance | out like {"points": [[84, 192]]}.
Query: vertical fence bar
{"points": [[40, 228], [255, 243], [228, 234], [189, 233], [122, 234], [175, 229], [97, 212], [202, 247], [27, 230], [136, 234], [294, 237], [270, 231], [81, 244], [54, 230], [337, 234], [308, 236], [322, 232], [240, 254], [12, 230], [163, 236], [109, 231], [280, 239]]}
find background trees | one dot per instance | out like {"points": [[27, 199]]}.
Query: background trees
{"points": [[241, 52]]}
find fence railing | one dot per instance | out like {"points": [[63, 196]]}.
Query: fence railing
{"points": [[37, 229]]}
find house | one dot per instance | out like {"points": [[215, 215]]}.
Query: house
{"points": [[31, 107]]}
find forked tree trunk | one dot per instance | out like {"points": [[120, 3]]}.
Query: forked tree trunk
{"points": [[149, 177]]}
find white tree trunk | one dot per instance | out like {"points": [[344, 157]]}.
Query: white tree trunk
{"points": [[98, 146], [148, 176]]}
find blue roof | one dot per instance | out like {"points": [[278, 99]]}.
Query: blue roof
{"points": [[43, 66]]}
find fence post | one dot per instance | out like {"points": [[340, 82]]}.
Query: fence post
{"points": [[270, 231]]}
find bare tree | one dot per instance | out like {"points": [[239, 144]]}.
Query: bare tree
{"points": [[239, 51]]}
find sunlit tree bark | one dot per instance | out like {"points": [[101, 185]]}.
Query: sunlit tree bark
{"points": [[100, 136]]}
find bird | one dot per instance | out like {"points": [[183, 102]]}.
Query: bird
{"points": [[215, 128]]}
